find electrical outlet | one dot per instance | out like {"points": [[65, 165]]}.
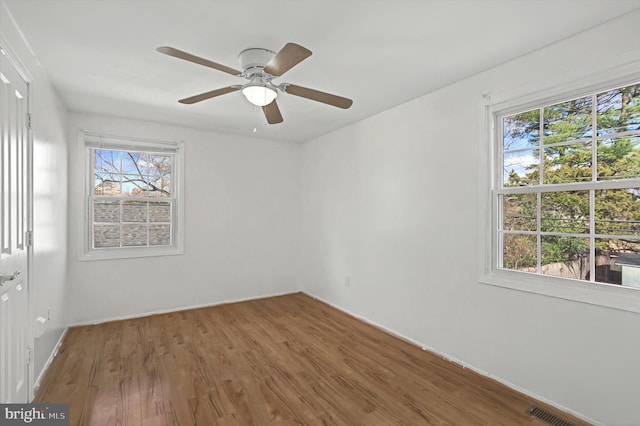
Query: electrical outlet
{"points": [[49, 314], [347, 281]]}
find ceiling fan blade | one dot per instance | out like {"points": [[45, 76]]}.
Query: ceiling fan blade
{"points": [[208, 95], [196, 59], [288, 57], [318, 96], [272, 112]]}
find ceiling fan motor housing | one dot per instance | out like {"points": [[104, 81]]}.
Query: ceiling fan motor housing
{"points": [[254, 60]]}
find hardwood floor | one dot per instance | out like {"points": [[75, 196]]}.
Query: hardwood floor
{"points": [[277, 361]]}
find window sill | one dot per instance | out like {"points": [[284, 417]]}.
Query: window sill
{"points": [[130, 252], [606, 295]]}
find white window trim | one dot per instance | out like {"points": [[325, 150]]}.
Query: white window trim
{"points": [[85, 250], [567, 86]]}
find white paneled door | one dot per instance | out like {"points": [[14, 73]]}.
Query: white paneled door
{"points": [[15, 341]]}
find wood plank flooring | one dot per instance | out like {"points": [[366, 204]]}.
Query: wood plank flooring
{"points": [[288, 360]]}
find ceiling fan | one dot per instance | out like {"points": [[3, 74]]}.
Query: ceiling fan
{"points": [[260, 67]]}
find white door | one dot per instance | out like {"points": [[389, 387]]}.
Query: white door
{"points": [[15, 340]]}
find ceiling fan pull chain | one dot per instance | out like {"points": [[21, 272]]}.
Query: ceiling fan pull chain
{"points": [[255, 120]]}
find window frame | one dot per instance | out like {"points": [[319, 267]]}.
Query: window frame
{"points": [[87, 142], [526, 98]]}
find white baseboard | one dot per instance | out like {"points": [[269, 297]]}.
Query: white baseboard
{"points": [[54, 352], [457, 361], [179, 308]]}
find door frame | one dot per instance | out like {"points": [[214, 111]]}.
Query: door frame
{"points": [[24, 73]]}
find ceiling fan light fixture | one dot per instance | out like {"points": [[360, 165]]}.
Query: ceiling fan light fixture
{"points": [[258, 93]]}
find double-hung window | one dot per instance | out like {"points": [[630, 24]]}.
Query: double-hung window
{"points": [[133, 205], [566, 191]]}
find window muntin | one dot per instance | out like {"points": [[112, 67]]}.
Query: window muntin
{"points": [[131, 202], [567, 196]]}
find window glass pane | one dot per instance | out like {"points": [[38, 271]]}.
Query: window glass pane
{"points": [[160, 186], [131, 163], [613, 257], [159, 235], [619, 158], [519, 252], [565, 212], [134, 211], [108, 161], [134, 235], [159, 212], [106, 236], [618, 110], [159, 165], [617, 211], [521, 168], [567, 163], [566, 257], [521, 130], [567, 121], [519, 212], [134, 186], [106, 185], [606, 269], [106, 211], [628, 263]]}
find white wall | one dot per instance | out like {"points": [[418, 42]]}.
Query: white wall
{"points": [[242, 213], [48, 279], [374, 209]]}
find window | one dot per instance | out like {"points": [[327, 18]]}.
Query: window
{"points": [[133, 205], [567, 195]]}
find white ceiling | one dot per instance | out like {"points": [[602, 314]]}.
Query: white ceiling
{"points": [[101, 54]]}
